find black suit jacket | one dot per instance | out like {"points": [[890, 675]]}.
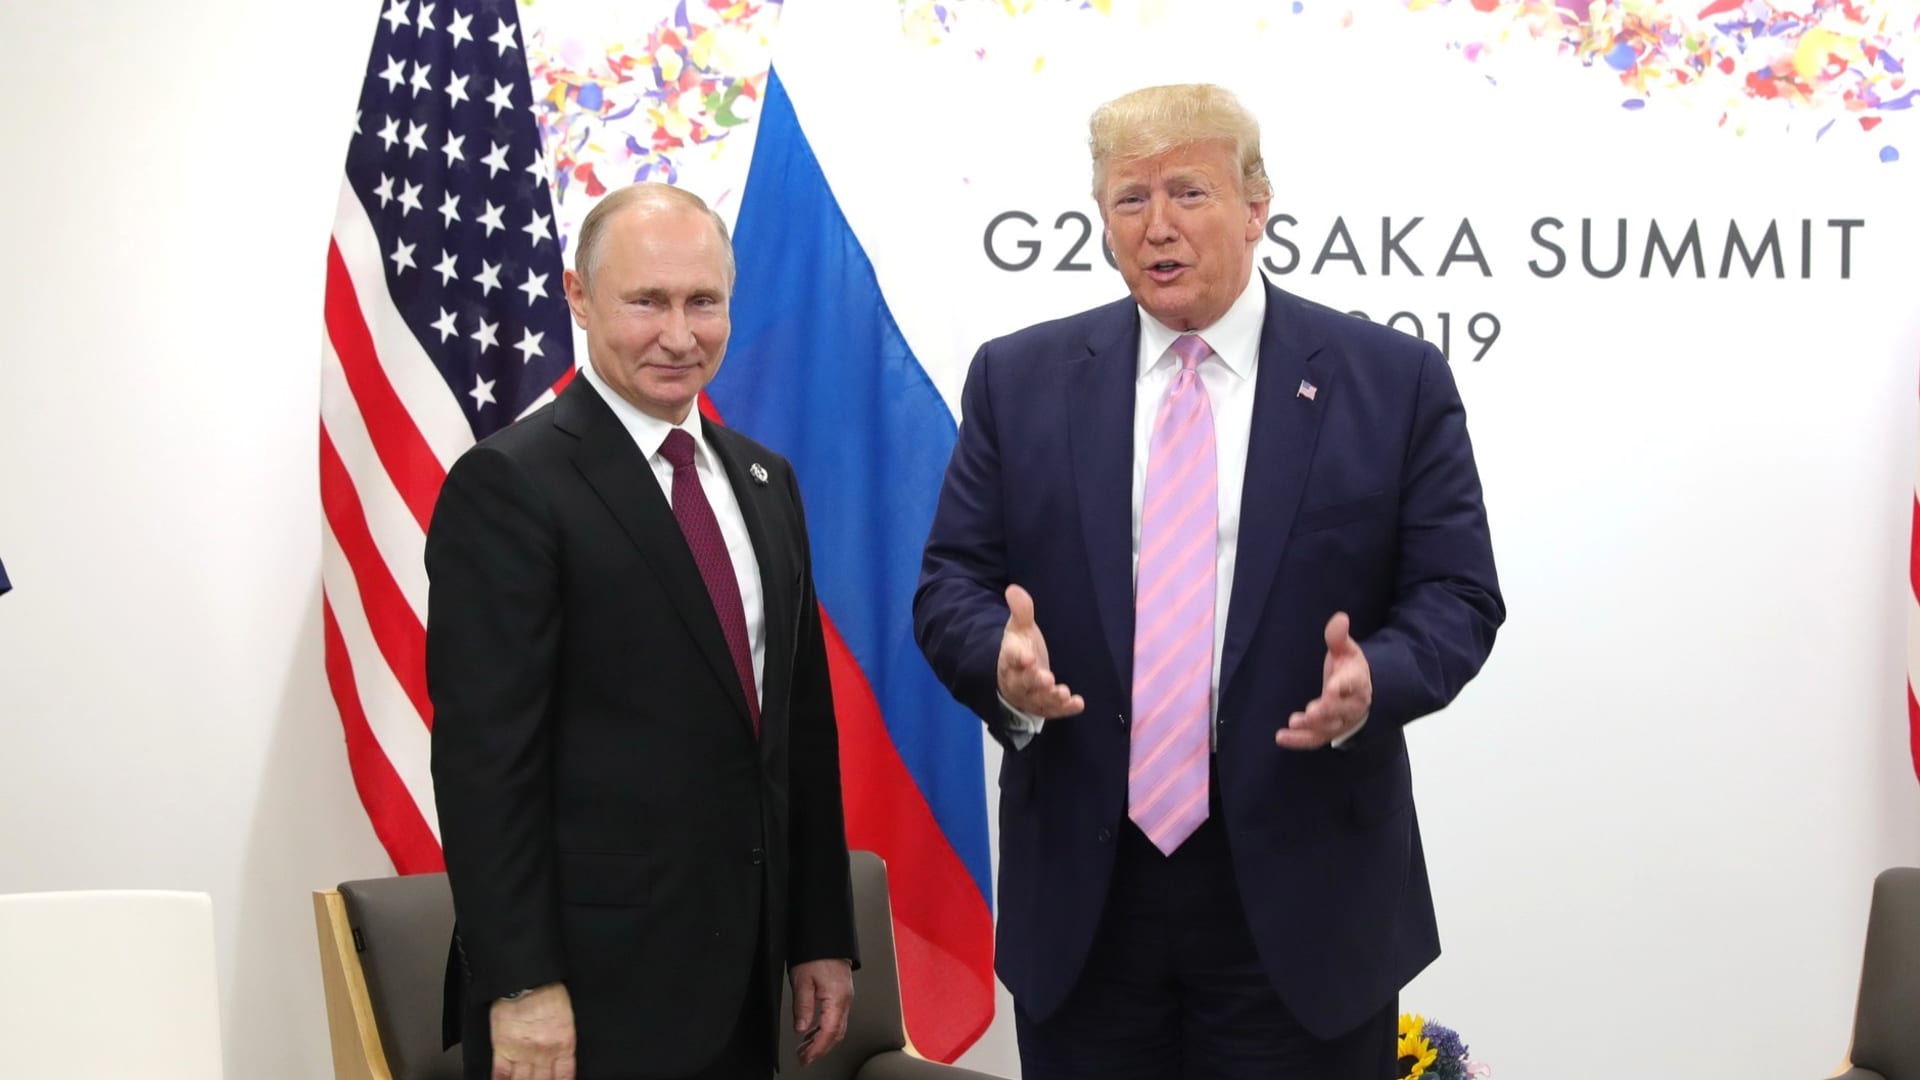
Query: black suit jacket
{"points": [[1361, 495], [608, 817]]}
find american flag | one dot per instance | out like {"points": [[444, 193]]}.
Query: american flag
{"points": [[445, 321]]}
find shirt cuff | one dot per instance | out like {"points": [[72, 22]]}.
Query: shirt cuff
{"points": [[1021, 726], [1340, 742]]}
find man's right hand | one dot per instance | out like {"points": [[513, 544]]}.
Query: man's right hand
{"points": [[533, 1035], [1026, 681]]}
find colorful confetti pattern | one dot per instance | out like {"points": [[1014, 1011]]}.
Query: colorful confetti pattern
{"points": [[1834, 61], [1811, 64], [613, 113]]}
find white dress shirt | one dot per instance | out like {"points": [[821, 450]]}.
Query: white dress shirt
{"points": [[649, 434]]}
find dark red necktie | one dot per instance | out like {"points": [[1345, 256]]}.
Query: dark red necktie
{"points": [[702, 531]]}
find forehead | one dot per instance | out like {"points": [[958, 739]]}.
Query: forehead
{"points": [[649, 244], [1204, 160]]}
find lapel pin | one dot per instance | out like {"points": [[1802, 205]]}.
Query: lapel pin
{"points": [[758, 472], [1307, 390]]}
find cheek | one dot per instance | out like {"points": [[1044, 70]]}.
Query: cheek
{"points": [[629, 333]]}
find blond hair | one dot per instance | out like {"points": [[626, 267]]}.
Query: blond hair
{"points": [[654, 196], [1154, 120]]}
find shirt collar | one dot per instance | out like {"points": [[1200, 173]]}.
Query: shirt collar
{"points": [[648, 432], [1234, 336]]}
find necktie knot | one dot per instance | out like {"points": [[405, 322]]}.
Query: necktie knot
{"points": [[1191, 349], [678, 449]]}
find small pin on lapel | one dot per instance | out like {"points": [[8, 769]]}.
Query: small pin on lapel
{"points": [[758, 472], [1307, 390]]}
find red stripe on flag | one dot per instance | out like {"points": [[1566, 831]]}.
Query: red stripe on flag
{"points": [[396, 629], [1913, 553], [416, 472], [1913, 726], [946, 993], [396, 820]]}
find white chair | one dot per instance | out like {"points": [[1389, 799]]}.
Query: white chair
{"points": [[109, 984]]}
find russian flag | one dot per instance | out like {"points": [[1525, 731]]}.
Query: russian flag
{"points": [[819, 369]]}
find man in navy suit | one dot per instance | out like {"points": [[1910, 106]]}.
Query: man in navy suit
{"points": [[1252, 530]]}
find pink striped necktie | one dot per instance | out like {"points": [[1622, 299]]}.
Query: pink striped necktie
{"points": [[1173, 613]]}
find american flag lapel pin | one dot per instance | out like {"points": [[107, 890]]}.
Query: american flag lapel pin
{"points": [[758, 472], [1307, 390]]}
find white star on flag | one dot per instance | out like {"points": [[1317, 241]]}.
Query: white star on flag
{"points": [[488, 278], [485, 335], [536, 227], [535, 287], [529, 345], [503, 35], [495, 161]]}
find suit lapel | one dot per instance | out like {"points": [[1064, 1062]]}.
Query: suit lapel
{"points": [[616, 470], [1099, 425], [777, 594], [1279, 456]]}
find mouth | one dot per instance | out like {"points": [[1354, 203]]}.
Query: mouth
{"points": [[1165, 270]]}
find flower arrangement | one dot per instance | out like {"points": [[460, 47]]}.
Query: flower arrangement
{"points": [[1430, 1050]]}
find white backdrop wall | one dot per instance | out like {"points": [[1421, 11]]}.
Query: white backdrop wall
{"points": [[1652, 822]]}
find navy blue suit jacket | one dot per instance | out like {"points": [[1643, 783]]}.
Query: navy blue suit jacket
{"points": [[1363, 499]]}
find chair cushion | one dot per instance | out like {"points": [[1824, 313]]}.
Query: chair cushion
{"points": [[402, 928], [1886, 1034]]}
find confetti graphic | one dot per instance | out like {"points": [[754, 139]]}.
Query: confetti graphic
{"points": [[613, 113], [1804, 66]]}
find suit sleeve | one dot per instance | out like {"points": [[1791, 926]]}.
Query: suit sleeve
{"points": [[960, 607], [1447, 604], [820, 916], [493, 638]]}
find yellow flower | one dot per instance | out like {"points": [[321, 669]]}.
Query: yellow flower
{"points": [[1416, 1053]]}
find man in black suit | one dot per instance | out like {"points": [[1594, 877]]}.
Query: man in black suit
{"points": [[634, 750]]}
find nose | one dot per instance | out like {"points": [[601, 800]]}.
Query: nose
{"points": [[677, 334], [1160, 228]]}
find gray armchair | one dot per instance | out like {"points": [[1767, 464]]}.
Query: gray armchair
{"points": [[383, 951], [1886, 1020]]}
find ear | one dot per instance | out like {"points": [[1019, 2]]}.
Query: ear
{"points": [[1257, 220], [576, 297]]}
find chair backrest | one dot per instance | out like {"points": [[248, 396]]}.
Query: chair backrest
{"points": [[876, 1025], [1886, 1023], [390, 938], [109, 984]]}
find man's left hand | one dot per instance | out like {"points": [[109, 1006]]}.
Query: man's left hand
{"points": [[822, 998], [1346, 694]]}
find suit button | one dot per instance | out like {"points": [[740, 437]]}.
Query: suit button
{"points": [[759, 856], [1106, 836]]}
